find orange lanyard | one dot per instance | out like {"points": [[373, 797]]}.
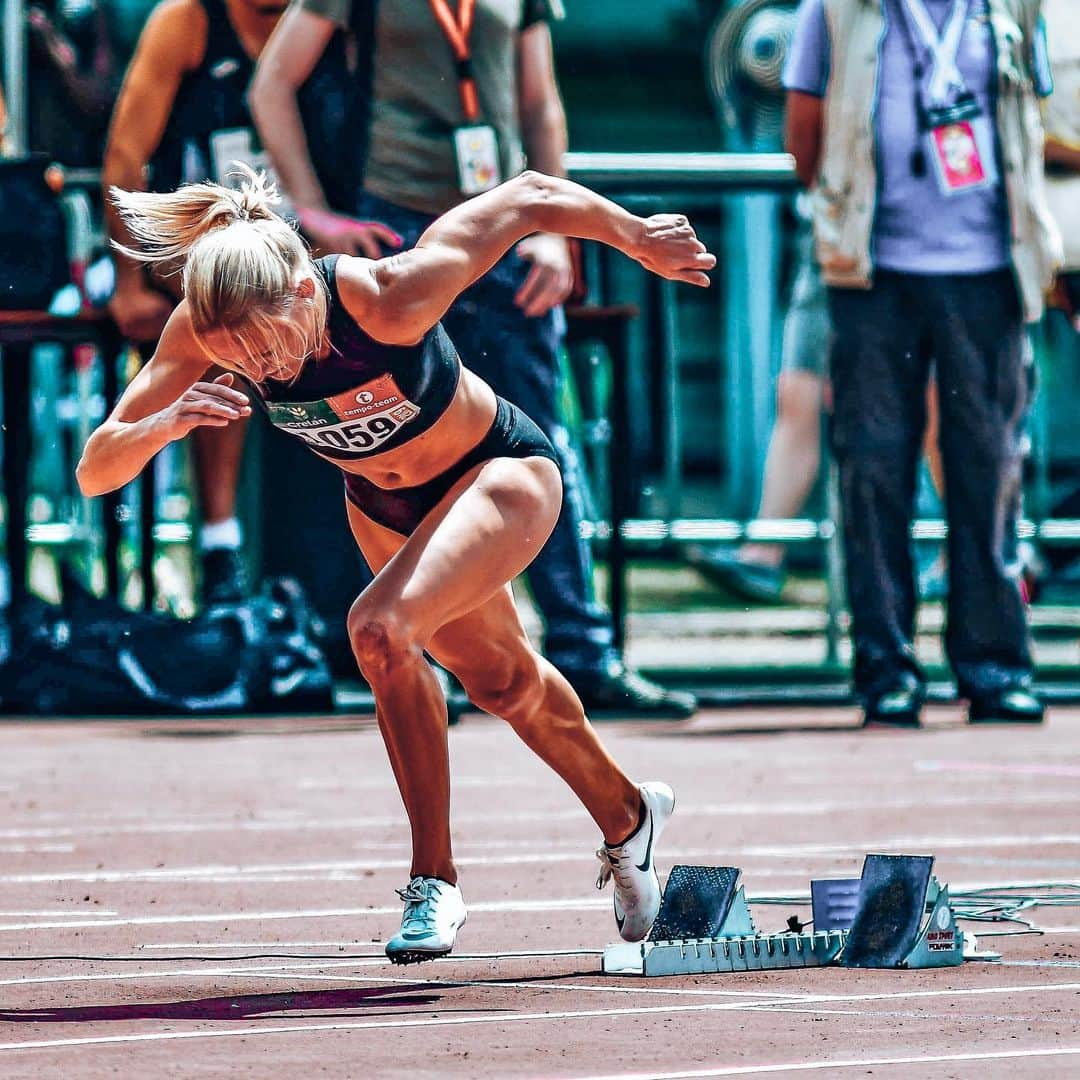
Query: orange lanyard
{"points": [[457, 29]]}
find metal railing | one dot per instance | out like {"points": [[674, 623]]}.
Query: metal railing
{"points": [[644, 181]]}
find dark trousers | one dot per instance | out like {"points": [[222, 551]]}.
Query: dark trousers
{"points": [[885, 337], [519, 358]]}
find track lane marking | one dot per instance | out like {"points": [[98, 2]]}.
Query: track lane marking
{"points": [[210, 870], [298, 820], [573, 904], [812, 1066], [580, 1014]]}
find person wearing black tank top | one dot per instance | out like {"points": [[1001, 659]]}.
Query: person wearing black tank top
{"points": [[182, 116], [350, 356]]}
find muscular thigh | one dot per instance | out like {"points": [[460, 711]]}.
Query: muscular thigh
{"points": [[484, 644], [481, 535]]}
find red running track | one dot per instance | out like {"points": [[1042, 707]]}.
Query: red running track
{"points": [[210, 898]]}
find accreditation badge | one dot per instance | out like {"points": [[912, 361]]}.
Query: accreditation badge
{"points": [[962, 152], [476, 148], [232, 145]]}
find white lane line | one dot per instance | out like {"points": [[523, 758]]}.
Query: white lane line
{"points": [[99, 913], [457, 984], [1040, 963], [573, 904], [297, 821], [518, 1018], [927, 842], [36, 849], [814, 1066], [232, 871], [257, 970], [922, 1014], [172, 946]]}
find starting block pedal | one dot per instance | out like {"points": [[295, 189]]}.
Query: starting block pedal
{"points": [[902, 916], [704, 926], [896, 915]]}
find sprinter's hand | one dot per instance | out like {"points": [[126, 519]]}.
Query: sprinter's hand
{"points": [[206, 404], [668, 246]]}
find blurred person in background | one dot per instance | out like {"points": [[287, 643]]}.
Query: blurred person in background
{"points": [[1061, 116], [182, 116], [464, 95], [72, 77], [754, 571], [916, 124]]}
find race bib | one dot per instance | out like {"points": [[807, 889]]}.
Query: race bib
{"points": [[352, 424]]}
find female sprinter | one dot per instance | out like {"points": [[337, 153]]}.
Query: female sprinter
{"points": [[450, 490]]}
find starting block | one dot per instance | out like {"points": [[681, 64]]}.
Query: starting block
{"points": [[896, 915], [704, 926]]}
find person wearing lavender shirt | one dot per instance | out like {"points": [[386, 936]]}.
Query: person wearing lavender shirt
{"points": [[913, 122]]}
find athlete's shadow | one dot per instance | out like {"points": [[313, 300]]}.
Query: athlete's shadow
{"points": [[333, 1003], [301, 1004]]}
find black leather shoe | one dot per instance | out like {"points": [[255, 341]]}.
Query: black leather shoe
{"points": [[619, 691], [896, 708], [224, 578], [755, 582], [1015, 706]]}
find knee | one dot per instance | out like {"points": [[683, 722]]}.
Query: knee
{"points": [[511, 689], [380, 641]]}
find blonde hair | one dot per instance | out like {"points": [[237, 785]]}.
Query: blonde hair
{"points": [[240, 263]]}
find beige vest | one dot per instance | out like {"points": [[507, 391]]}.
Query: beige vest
{"points": [[1061, 118], [844, 195]]}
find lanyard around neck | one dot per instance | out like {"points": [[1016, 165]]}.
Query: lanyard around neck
{"points": [[457, 29], [943, 48]]}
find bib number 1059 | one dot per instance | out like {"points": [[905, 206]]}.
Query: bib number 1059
{"points": [[361, 435]]}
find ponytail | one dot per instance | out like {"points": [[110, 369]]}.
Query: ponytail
{"points": [[240, 267], [165, 226]]}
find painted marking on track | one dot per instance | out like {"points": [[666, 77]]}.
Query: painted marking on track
{"points": [[36, 849], [922, 1014], [1041, 963], [581, 1014], [1015, 769], [173, 946], [213, 872], [576, 904], [251, 971], [457, 984], [813, 1066], [55, 914], [298, 821]]}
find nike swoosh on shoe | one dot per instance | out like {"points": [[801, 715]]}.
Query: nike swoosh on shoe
{"points": [[643, 866]]}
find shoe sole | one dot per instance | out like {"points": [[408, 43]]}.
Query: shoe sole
{"points": [[896, 725], [415, 956], [1006, 719], [418, 956]]}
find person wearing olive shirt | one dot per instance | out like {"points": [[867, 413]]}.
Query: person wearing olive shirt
{"points": [[463, 96]]}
